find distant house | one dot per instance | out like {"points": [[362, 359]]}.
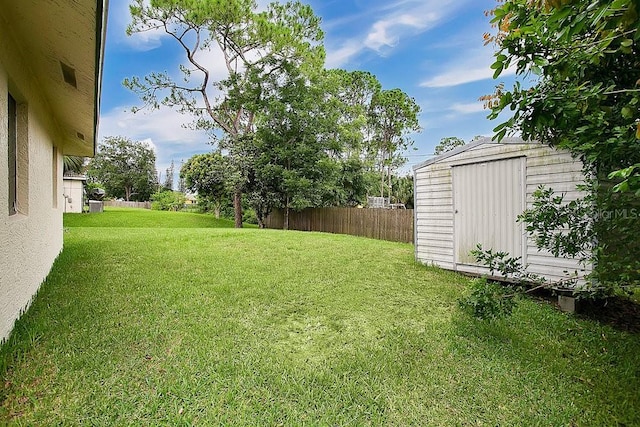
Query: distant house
{"points": [[74, 193], [190, 198], [50, 72], [473, 194]]}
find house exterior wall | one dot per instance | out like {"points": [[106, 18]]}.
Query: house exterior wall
{"points": [[73, 195], [32, 238], [435, 210]]}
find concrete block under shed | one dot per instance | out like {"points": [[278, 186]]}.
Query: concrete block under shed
{"points": [[568, 304]]}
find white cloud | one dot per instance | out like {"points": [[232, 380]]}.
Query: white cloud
{"points": [[162, 129], [213, 60], [149, 143], [458, 75], [392, 23], [467, 108], [471, 66], [387, 32], [158, 125], [145, 41], [338, 57], [120, 18]]}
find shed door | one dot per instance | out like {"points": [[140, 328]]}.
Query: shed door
{"points": [[488, 197]]}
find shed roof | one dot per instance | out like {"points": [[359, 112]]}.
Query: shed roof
{"points": [[71, 176], [469, 146]]}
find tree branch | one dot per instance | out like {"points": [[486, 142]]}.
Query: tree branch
{"points": [[613, 92]]}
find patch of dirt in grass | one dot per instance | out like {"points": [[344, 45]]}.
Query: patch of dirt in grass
{"points": [[618, 312], [13, 406]]}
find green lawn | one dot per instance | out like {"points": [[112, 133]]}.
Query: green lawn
{"points": [[143, 218], [206, 326]]}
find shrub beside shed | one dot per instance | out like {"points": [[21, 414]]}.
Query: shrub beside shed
{"points": [[473, 194]]}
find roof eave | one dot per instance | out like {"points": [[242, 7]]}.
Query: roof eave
{"points": [[469, 146]]}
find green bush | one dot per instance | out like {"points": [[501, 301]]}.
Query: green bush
{"points": [[488, 300], [249, 216], [167, 201]]}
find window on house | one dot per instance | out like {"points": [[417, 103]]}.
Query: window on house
{"points": [[18, 156], [13, 155]]}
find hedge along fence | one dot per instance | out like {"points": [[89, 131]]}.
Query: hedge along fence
{"points": [[122, 204], [385, 224]]}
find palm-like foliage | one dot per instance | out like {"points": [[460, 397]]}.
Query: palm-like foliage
{"points": [[73, 164]]}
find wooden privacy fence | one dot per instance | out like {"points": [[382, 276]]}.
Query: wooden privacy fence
{"points": [[122, 204], [385, 224]]}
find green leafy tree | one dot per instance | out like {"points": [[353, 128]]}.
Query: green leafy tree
{"points": [[126, 168], [360, 108], [347, 97], [182, 186], [347, 103], [208, 175], [73, 164], [352, 183], [263, 195], [403, 190], [295, 136], [169, 175], [167, 200], [311, 153], [447, 144], [585, 57], [393, 116], [254, 45]]}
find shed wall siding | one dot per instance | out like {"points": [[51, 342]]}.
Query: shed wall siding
{"points": [[434, 216], [73, 195], [558, 170], [434, 208]]}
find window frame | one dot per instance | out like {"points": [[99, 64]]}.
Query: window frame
{"points": [[12, 153]]}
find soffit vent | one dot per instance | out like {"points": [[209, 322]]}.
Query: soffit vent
{"points": [[69, 75]]}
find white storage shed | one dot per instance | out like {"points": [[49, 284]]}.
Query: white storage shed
{"points": [[74, 193], [474, 194]]}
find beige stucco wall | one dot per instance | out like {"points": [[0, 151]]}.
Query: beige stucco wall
{"points": [[30, 240]]}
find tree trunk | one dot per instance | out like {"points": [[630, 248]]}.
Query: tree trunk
{"points": [[286, 215], [382, 177], [237, 208], [260, 217], [390, 188]]}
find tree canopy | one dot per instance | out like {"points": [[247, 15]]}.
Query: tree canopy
{"points": [[585, 60], [447, 144], [208, 175], [290, 133], [393, 116], [73, 164], [256, 46], [126, 168], [585, 55]]}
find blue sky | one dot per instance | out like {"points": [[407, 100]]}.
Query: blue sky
{"points": [[431, 49]]}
